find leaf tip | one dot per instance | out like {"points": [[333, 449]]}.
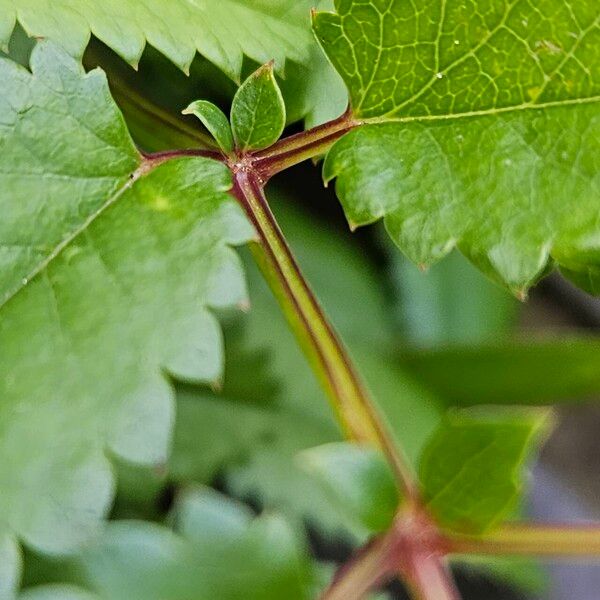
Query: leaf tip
{"points": [[521, 294], [268, 68], [216, 385], [244, 305]]}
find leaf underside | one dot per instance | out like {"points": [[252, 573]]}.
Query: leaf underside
{"points": [[221, 31], [483, 131], [109, 269]]}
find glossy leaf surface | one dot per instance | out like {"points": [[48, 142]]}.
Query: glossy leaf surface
{"points": [[483, 131]]}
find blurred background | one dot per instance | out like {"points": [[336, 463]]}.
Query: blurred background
{"points": [[423, 341]]}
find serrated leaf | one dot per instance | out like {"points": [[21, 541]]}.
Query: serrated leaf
{"points": [[510, 372], [483, 131], [358, 479], [258, 111], [215, 121], [218, 550], [470, 472], [224, 31], [108, 271]]}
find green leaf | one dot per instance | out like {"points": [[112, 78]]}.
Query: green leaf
{"points": [[215, 121], [224, 32], [524, 574], [109, 269], [358, 479], [10, 567], [57, 592], [218, 550], [258, 111], [451, 303], [470, 472], [481, 131], [510, 372]]}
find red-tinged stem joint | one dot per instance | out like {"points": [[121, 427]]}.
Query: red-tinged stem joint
{"points": [[301, 146], [411, 548]]}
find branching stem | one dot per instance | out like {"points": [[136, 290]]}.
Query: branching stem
{"points": [[414, 546], [294, 149], [353, 406]]}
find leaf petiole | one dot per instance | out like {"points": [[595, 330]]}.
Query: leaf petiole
{"points": [[531, 540]]}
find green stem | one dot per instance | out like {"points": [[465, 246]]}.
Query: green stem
{"points": [[324, 350], [531, 540], [297, 148]]}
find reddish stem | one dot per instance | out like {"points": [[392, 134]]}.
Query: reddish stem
{"points": [[413, 548], [294, 149], [171, 154]]}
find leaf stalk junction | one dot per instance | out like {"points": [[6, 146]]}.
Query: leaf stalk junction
{"points": [[415, 547]]}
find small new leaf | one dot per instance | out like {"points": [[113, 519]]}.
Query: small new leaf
{"points": [[471, 471], [215, 121], [258, 111], [358, 479]]}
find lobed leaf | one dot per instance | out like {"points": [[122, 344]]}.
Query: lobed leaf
{"points": [[223, 31], [470, 471], [218, 550], [110, 267], [481, 131]]}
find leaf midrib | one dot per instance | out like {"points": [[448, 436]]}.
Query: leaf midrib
{"points": [[143, 168], [481, 113]]}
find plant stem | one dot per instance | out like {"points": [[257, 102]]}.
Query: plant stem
{"points": [[324, 350], [294, 149], [532, 540], [371, 566], [430, 579], [412, 548]]}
